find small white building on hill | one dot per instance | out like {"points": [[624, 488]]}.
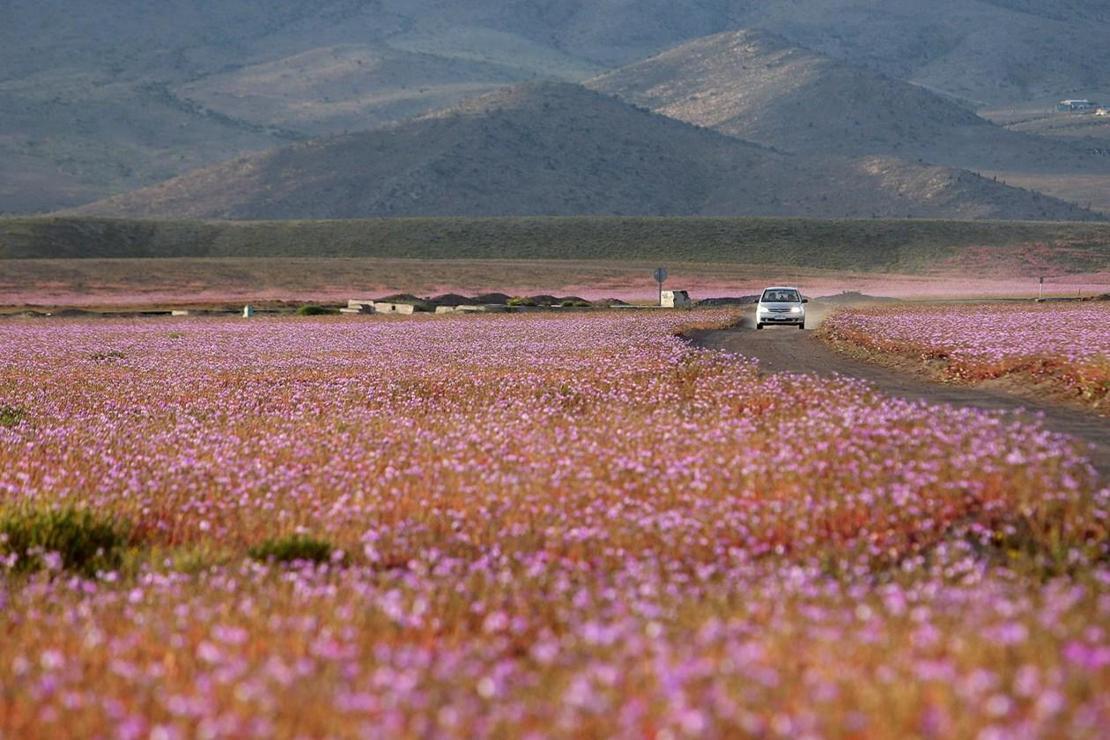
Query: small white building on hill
{"points": [[1076, 106]]}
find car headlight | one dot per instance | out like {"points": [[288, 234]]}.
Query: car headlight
{"points": [[796, 309], [762, 309]]}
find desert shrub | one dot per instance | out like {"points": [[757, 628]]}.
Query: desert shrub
{"points": [[575, 304], [11, 416], [311, 310], [72, 539], [293, 548], [521, 301]]}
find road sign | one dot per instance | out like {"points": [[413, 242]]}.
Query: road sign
{"points": [[660, 277]]}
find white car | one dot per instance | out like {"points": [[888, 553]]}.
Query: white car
{"points": [[783, 306]]}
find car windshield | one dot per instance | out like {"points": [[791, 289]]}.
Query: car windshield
{"points": [[781, 296]]}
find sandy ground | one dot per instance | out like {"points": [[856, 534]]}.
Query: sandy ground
{"points": [[785, 349]]}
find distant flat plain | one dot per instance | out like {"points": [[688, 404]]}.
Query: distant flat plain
{"points": [[85, 262], [118, 283]]}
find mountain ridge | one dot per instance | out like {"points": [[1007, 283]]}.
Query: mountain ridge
{"points": [[760, 87], [559, 149]]}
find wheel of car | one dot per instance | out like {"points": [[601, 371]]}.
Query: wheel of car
{"points": [[801, 326], [758, 326]]}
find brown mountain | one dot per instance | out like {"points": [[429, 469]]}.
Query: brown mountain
{"points": [[98, 98], [346, 87], [760, 87], [559, 149]]}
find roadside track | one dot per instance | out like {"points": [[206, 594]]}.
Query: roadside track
{"points": [[787, 350]]}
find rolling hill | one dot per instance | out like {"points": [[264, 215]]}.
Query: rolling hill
{"points": [[347, 87], [559, 149], [759, 87]]}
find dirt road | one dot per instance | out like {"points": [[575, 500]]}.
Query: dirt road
{"points": [[782, 349]]}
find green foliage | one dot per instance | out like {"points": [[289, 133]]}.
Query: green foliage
{"points": [[311, 310], [521, 301], [293, 548], [575, 304], [11, 416], [84, 541]]}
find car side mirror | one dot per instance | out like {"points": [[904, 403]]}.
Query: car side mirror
{"points": [[805, 300]]}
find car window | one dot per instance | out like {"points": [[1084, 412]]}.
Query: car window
{"points": [[781, 296]]}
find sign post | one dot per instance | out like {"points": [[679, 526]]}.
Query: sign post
{"points": [[661, 277], [1040, 291]]}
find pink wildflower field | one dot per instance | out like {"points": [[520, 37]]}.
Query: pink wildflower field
{"points": [[534, 526], [1063, 345]]}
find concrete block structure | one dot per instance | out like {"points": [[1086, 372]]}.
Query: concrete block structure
{"points": [[400, 309], [492, 308], [676, 299]]}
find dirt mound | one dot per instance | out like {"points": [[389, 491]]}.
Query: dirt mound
{"points": [[492, 299], [419, 304], [453, 299]]}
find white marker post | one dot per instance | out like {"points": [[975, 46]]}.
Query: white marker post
{"points": [[1040, 290], [661, 277]]}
